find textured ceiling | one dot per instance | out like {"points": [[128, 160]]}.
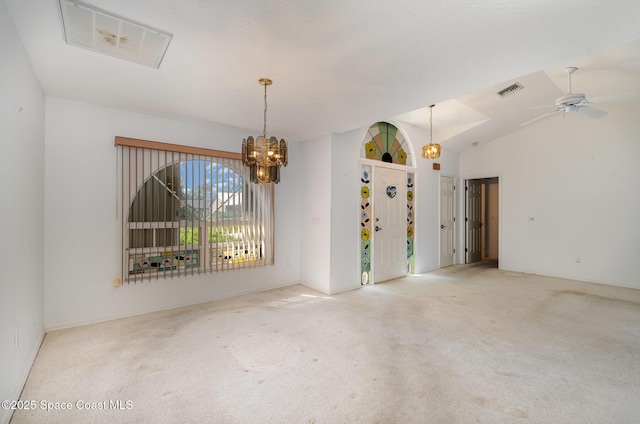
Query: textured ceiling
{"points": [[339, 65]]}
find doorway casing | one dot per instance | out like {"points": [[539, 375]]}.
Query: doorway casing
{"points": [[367, 219], [481, 229]]}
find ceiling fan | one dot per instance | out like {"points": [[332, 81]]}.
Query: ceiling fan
{"points": [[571, 102]]}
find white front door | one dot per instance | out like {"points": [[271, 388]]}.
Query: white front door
{"points": [[473, 221], [389, 224], [446, 221]]}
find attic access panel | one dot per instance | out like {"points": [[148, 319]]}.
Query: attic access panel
{"points": [[95, 29]]}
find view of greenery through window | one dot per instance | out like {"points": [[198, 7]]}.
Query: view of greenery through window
{"points": [[208, 194], [190, 235]]}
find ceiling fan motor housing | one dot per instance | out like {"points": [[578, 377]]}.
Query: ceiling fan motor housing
{"points": [[573, 99]]}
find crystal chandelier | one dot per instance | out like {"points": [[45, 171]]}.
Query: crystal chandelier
{"points": [[264, 156], [431, 150]]}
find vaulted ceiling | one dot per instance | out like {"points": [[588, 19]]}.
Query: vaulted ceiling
{"points": [[339, 65]]}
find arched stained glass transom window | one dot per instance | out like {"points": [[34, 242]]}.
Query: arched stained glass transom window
{"points": [[384, 142]]}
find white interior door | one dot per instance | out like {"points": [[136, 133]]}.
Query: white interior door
{"points": [[390, 224], [473, 221], [447, 219]]}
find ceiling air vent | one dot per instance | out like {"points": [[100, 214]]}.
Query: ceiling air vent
{"points": [[95, 29], [510, 90]]}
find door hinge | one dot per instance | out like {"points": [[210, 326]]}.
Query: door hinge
{"points": [[466, 250], [454, 219], [454, 250]]}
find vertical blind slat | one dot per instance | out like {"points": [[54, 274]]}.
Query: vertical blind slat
{"points": [[134, 212], [123, 217], [225, 217], [173, 190]]}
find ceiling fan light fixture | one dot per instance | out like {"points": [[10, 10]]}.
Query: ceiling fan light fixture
{"points": [[431, 150], [91, 28]]}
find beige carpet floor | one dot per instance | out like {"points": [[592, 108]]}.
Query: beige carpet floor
{"points": [[465, 344]]}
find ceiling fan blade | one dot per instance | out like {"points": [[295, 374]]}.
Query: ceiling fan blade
{"points": [[591, 112], [613, 97], [546, 115]]}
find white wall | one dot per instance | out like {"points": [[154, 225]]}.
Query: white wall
{"points": [[579, 180], [315, 214], [345, 204], [427, 200], [82, 231], [21, 215]]}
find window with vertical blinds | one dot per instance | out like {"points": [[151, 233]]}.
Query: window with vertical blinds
{"points": [[188, 211]]}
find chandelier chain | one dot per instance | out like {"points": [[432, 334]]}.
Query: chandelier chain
{"points": [[431, 123], [264, 128]]}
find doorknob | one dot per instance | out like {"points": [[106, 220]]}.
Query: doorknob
{"points": [[378, 228], [442, 226]]}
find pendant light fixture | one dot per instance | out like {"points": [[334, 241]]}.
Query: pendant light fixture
{"points": [[264, 156], [431, 150]]}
